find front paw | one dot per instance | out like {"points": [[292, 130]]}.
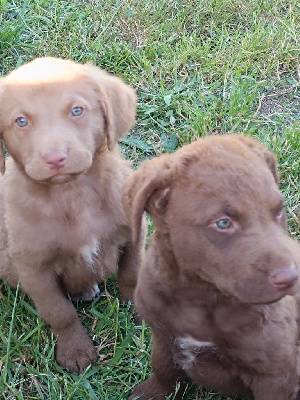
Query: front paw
{"points": [[88, 295], [148, 390], [75, 351], [152, 388]]}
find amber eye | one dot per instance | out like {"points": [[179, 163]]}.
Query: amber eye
{"points": [[223, 223], [77, 111], [21, 122]]}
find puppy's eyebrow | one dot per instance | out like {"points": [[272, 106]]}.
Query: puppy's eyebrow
{"points": [[231, 211], [29, 114]]}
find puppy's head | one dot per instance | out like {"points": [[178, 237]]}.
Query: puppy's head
{"points": [[219, 201], [56, 114]]}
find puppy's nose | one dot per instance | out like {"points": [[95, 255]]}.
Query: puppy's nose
{"points": [[284, 279], [56, 159]]}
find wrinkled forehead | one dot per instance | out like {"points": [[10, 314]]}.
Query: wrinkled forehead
{"points": [[223, 161], [45, 70], [235, 184], [50, 76], [28, 97], [52, 82]]}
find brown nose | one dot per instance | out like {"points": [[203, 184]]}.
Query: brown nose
{"points": [[284, 279], [56, 159]]}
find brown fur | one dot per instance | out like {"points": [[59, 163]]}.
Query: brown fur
{"points": [[63, 229], [219, 301]]}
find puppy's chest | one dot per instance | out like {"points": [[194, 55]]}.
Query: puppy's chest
{"points": [[195, 337], [70, 225], [213, 335], [83, 232], [83, 222], [90, 252], [88, 234], [188, 350]]}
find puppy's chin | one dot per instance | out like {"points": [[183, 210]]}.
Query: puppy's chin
{"points": [[54, 178], [58, 179], [267, 298], [61, 178]]}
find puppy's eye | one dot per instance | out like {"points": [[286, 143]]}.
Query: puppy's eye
{"points": [[21, 122], [223, 223], [77, 111]]}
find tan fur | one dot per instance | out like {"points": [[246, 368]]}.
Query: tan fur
{"points": [[62, 230], [219, 301]]}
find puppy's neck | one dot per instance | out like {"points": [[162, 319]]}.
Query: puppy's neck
{"points": [[166, 263]]}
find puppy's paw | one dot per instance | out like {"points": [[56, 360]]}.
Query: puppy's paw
{"points": [[137, 319], [153, 389], [75, 351], [87, 296], [148, 390]]}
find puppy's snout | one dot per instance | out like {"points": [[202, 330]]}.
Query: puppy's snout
{"points": [[284, 279], [56, 159]]}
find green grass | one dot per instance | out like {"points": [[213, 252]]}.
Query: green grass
{"points": [[200, 68]]}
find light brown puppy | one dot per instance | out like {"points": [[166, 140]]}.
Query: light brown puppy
{"points": [[62, 225], [218, 277]]}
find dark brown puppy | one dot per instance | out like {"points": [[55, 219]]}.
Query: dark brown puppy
{"points": [[217, 282], [62, 225]]}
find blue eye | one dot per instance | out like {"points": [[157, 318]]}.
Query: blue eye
{"points": [[223, 223], [21, 122], [77, 111]]}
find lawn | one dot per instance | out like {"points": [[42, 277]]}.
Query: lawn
{"points": [[199, 67]]}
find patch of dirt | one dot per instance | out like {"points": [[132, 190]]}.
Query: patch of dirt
{"points": [[281, 101]]}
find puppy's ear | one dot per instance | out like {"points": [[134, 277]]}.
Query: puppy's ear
{"points": [[148, 189], [271, 160], [263, 152], [118, 102]]}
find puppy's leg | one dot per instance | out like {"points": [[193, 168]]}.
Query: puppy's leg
{"points": [[209, 372], [74, 349], [284, 387], [8, 272], [284, 384], [129, 263], [165, 375], [128, 266]]}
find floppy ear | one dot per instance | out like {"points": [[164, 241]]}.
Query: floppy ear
{"points": [[147, 189], [263, 152], [271, 161], [118, 104]]}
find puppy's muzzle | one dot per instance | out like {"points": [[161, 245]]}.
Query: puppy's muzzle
{"points": [[56, 159], [284, 279]]}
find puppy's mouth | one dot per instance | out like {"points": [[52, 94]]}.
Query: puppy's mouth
{"points": [[61, 178], [266, 295]]}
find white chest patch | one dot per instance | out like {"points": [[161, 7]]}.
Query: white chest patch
{"points": [[90, 253], [190, 348]]}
